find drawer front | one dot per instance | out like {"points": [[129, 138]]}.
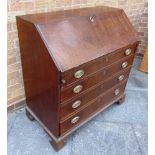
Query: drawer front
{"points": [[81, 101], [81, 86], [96, 105], [95, 65]]}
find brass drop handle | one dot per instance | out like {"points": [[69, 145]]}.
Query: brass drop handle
{"points": [[91, 18], [76, 104], [128, 51], [77, 89], [117, 92], [121, 77], [124, 64], [75, 120], [79, 74]]}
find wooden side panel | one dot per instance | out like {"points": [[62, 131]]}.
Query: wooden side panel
{"points": [[41, 77], [144, 63]]}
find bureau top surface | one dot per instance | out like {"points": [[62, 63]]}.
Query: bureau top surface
{"points": [[74, 37]]}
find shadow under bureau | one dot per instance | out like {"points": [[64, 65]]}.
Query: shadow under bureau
{"points": [[75, 64]]}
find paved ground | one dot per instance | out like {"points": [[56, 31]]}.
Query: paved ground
{"points": [[119, 130]]}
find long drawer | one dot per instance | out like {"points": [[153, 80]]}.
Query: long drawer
{"points": [[80, 101], [84, 70], [81, 86], [100, 102]]}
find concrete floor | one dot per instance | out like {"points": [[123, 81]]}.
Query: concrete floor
{"points": [[119, 130]]}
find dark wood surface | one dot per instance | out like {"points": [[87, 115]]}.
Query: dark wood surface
{"points": [[87, 96], [96, 105], [73, 34], [78, 37], [58, 145], [41, 18], [96, 78], [54, 46], [96, 64], [41, 80]]}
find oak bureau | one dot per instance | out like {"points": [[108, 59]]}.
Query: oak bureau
{"points": [[75, 64]]}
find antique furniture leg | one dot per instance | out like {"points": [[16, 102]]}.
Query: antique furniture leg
{"points": [[29, 116], [58, 145], [121, 100]]}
